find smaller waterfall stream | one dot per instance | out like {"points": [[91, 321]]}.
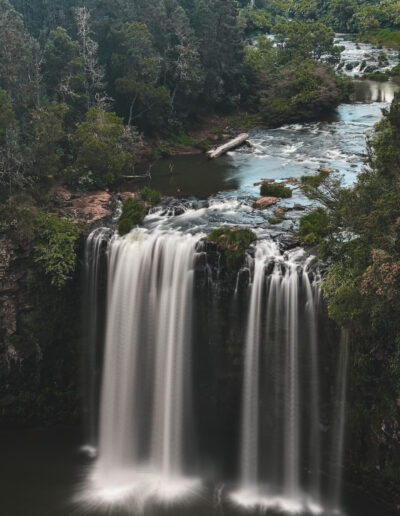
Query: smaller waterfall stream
{"points": [[92, 367], [250, 420], [282, 327]]}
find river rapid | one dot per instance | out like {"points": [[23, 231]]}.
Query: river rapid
{"points": [[42, 469]]}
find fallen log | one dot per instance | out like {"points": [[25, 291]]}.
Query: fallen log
{"points": [[226, 147]]}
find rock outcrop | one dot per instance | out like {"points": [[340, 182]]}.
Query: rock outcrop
{"points": [[265, 202]]}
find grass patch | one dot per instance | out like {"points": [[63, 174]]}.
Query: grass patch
{"points": [[183, 139]]}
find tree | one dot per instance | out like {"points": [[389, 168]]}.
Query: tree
{"points": [[94, 73], [48, 135], [183, 71], [306, 40], [7, 118], [368, 18], [64, 74], [135, 69], [302, 90], [101, 156], [18, 59], [305, 10]]}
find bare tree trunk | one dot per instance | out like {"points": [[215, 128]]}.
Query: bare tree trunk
{"points": [[226, 147]]}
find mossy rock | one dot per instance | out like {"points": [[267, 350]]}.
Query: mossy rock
{"points": [[233, 242], [275, 190]]}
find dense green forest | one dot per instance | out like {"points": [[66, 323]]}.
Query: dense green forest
{"points": [[83, 87]]}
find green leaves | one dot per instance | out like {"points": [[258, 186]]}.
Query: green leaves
{"points": [[55, 251], [7, 119], [100, 149], [132, 214], [314, 227], [276, 190]]}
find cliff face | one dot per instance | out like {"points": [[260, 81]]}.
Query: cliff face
{"points": [[39, 339], [40, 325]]}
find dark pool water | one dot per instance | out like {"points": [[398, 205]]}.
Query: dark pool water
{"points": [[41, 471]]}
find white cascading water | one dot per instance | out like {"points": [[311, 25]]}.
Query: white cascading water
{"points": [[250, 420], [93, 253], [288, 295], [145, 402], [146, 375]]}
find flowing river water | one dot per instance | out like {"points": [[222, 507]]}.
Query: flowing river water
{"points": [[253, 436]]}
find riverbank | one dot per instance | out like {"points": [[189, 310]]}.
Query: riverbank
{"points": [[388, 38]]}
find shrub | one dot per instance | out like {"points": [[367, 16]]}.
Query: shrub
{"points": [[132, 214], [275, 190], [377, 76], [125, 226], [149, 195], [313, 227], [55, 251]]}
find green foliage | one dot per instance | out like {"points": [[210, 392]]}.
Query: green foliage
{"points": [[313, 227], [125, 226], [306, 40], [149, 195], [377, 76], [234, 242], [183, 139], [100, 149], [274, 220], [55, 250], [46, 149], [387, 37], [7, 118], [275, 190], [359, 236], [132, 214], [18, 216], [301, 90], [18, 55], [255, 21]]}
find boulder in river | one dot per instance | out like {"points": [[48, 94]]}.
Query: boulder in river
{"points": [[265, 202]]}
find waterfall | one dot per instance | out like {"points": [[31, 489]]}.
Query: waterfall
{"points": [[339, 422], [250, 420], [146, 374], [281, 376], [93, 255], [143, 402]]}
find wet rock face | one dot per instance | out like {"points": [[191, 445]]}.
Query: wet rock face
{"points": [[39, 330], [10, 275]]}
